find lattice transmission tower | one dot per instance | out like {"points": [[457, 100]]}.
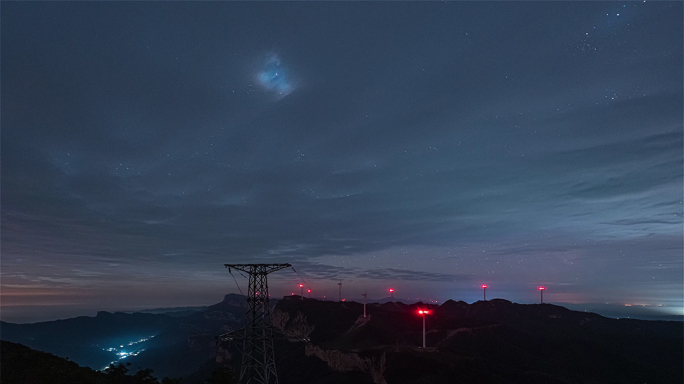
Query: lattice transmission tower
{"points": [[258, 359]]}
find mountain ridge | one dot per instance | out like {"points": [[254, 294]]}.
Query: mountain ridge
{"points": [[495, 341]]}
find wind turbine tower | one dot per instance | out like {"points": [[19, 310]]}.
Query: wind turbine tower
{"points": [[364, 304]]}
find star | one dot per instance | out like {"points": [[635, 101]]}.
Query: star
{"points": [[273, 77]]}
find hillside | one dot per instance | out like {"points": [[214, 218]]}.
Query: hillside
{"points": [[492, 341], [23, 365], [91, 341], [171, 345], [485, 342]]}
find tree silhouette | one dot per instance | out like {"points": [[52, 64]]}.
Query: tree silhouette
{"points": [[222, 376], [118, 370], [168, 380], [144, 376]]}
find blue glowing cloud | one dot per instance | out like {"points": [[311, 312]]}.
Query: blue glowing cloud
{"points": [[274, 77]]}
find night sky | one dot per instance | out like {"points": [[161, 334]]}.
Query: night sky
{"points": [[428, 147]]}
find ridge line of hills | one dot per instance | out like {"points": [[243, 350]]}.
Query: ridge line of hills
{"points": [[493, 341]]}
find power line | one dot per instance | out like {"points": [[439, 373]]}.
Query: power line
{"points": [[236, 283], [304, 280]]}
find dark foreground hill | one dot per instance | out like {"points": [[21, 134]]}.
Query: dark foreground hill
{"points": [[485, 342]]}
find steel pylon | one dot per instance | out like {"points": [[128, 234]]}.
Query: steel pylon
{"points": [[258, 359]]}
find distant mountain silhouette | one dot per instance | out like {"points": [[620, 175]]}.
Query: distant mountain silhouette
{"points": [[175, 311], [493, 341]]}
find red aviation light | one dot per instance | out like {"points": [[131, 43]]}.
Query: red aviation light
{"points": [[423, 312], [391, 289], [541, 288], [485, 286], [308, 291], [301, 285]]}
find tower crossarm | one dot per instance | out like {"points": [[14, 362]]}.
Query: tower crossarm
{"points": [[258, 268]]}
